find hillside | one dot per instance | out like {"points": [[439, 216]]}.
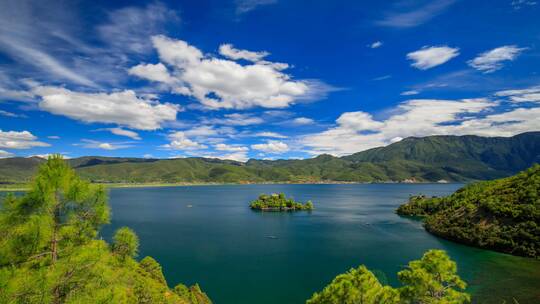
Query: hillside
{"points": [[433, 158], [502, 215]]}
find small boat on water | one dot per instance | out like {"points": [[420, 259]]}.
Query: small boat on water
{"points": [[189, 206], [273, 237]]}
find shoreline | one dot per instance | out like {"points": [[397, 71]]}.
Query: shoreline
{"points": [[24, 187]]}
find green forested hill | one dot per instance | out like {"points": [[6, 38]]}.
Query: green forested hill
{"points": [[433, 158], [503, 214]]}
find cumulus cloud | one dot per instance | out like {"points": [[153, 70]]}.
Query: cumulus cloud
{"points": [[122, 108], [493, 60], [19, 140], [179, 141], [272, 146], [524, 95], [153, 72], [231, 148], [236, 156], [358, 131], [223, 82], [429, 57], [229, 51]]}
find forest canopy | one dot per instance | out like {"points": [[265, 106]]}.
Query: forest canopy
{"points": [[279, 202], [502, 215], [432, 279], [49, 251]]}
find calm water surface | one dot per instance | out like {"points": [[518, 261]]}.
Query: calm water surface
{"points": [[223, 245]]}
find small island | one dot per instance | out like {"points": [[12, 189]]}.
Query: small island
{"points": [[278, 202]]}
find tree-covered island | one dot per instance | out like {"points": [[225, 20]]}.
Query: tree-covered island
{"points": [[278, 202]]}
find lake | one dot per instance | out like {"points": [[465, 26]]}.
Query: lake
{"points": [[241, 256]]}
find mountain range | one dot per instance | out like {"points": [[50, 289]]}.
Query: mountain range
{"points": [[426, 159]]}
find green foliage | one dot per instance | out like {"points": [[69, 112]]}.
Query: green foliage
{"points": [[278, 202], [502, 215], [192, 295], [432, 158], [356, 286], [430, 280], [419, 205], [125, 243], [59, 212], [49, 254], [153, 269]]}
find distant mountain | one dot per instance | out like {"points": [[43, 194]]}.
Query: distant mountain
{"points": [[432, 158]]}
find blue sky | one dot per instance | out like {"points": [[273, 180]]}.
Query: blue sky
{"points": [[266, 79]]}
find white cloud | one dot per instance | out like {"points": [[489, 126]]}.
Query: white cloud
{"points": [[237, 156], [19, 140], [272, 146], [270, 135], [376, 44], [130, 27], [94, 144], [179, 141], [8, 114], [224, 83], [491, 61], [154, 72], [123, 108], [237, 119], [18, 95], [231, 148], [384, 77], [358, 121], [524, 95], [405, 15], [6, 154], [518, 4], [124, 132], [358, 131], [429, 57], [53, 137], [244, 6], [229, 51], [303, 121], [409, 93]]}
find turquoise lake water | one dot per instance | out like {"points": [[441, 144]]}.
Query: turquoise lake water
{"points": [[239, 256]]}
